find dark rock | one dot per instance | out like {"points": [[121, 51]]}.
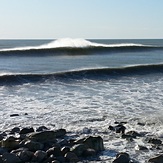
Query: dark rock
{"points": [[65, 149], [122, 158], [33, 146], [120, 122], [95, 143], [157, 159], [140, 147], [43, 136], [89, 152], [10, 158], [26, 130], [55, 151], [25, 155], [134, 134], [60, 133], [15, 130], [141, 124], [3, 150], [39, 156], [41, 128], [14, 115], [154, 141], [10, 143], [118, 128], [78, 149], [71, 157]]}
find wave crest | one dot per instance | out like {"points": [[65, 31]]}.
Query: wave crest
{"points": [[73, 44]]}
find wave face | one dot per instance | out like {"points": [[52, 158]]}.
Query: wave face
{"points": [[93, 74], [77, 46]]}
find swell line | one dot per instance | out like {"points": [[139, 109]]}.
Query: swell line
{"points": [[94, 74], [77, 47], [79, 51]]}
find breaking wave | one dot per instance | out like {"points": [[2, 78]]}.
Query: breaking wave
{"points": [[77, 45], [97, 73]]}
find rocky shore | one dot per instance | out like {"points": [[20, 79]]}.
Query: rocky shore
{"points": [[43, 145]]}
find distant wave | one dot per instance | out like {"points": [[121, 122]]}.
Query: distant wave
{"points": [[93, 74], [77, 46]]}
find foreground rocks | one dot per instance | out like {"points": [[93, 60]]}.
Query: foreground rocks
{"points": [[41, 145], [47, 146]]}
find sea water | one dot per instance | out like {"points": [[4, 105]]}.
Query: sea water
{"points": [[84, 86]]}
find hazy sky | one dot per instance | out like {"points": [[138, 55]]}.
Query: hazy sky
{"points": [[81, 19]]}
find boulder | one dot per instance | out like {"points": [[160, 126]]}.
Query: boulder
{"points": [[154, 141], [33, 146], [25, 155], [10, 143], [15, 130], [118, 128], [10, 158], [79, 149], [43, 136], [157, 159], [141, 148], [41, 128], [39, 156], [122, 158], [26, 130], [60, 133], [55, 151], [65, 149], [95, 143], [89, 152], [71, 157]]}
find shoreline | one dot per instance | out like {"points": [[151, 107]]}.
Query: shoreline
{"points": [[29, 144]]}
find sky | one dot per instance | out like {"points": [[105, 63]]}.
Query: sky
{"points": [[90, 19]]}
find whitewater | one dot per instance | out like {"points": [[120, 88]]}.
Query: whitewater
{"points": [[85, 86]]}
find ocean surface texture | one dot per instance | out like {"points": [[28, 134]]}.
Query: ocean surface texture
{"points": [[82, 84]]}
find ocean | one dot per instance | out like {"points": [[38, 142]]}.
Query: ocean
{"points": [[84, 86]]}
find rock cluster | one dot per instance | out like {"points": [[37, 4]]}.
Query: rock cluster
{"points": [[46, 146], [123, 157]]}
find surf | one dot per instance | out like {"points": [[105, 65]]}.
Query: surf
{"points": [[77, 47], [81, 74]]}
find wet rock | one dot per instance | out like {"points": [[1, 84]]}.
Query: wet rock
{"points": [[118, 128], [95, 143], [41, 128], [10, 143], [60, 133], [10, 158], [78, 149], [43, 136], [25, 155], [33, 146], [157, 159], [154, 141], [26, 130], [89, 152], [15, 130], [3, 150], [140, 147], [134, 134], [55, 151], [14, 115], [71, 157], [65, 149], [122, 158], [39, 156]]}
